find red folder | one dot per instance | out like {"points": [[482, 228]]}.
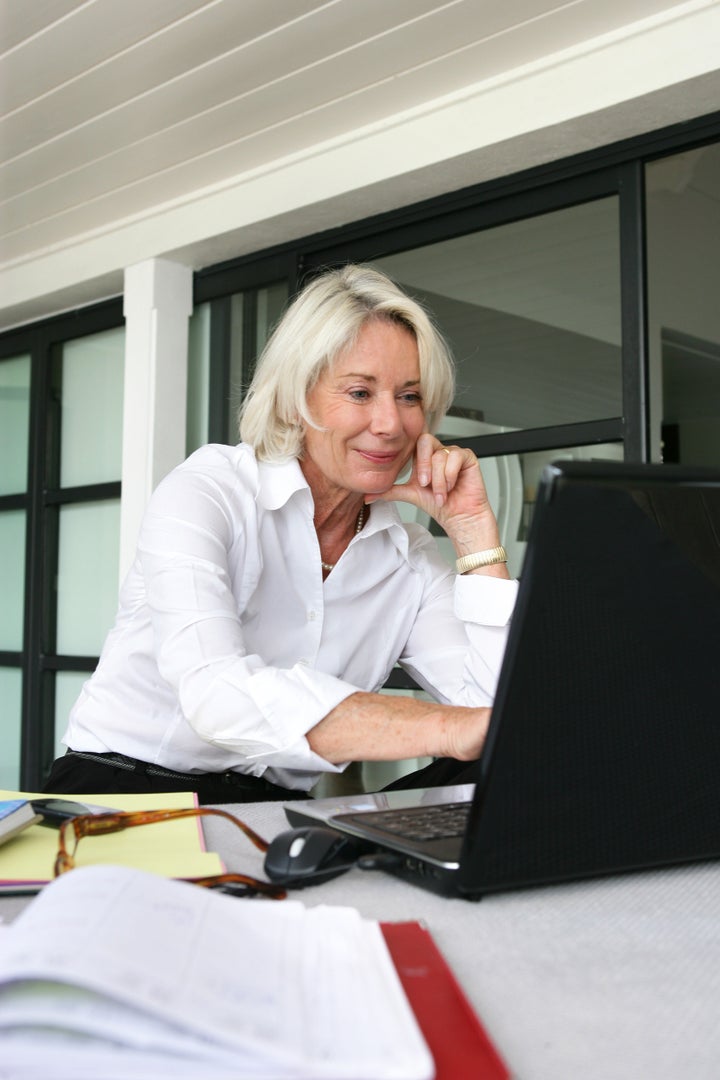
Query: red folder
{"points": [[455, 1036]]}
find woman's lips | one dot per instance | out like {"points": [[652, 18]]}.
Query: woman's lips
{"points": [[379, 458]]}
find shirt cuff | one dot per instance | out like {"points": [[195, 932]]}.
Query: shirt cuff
{"points": [[485, 600], [292, 702]]}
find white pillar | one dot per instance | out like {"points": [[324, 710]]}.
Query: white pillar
{"points": [[157, 305]]}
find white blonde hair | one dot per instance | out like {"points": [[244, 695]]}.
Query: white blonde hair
{"points": [[324, 320]]}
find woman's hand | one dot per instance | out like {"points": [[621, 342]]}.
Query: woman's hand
{"points": [[446, 482]]}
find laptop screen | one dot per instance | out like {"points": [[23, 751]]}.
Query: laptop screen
{"points": [[604, 747]]}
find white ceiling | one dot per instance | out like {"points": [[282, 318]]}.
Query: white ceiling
{"points": [[112, 110]]}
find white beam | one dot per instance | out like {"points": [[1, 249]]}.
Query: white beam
{"points": [[158, 303]]}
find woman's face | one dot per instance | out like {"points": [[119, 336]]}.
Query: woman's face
{"points": [[370, 407]]}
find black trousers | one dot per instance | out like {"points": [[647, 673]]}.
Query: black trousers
{"points": [[93, 774], [115, 774]]}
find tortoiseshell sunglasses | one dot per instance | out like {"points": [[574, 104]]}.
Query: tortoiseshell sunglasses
{"points": [[73, 830]]}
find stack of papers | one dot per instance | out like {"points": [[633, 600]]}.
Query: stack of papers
{"points": [[171, 848], [116, 973]]}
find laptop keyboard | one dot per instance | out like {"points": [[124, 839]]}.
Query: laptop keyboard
{"points": [[437, 822]]}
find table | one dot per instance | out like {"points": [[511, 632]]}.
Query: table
{"points": [[597, 980]]}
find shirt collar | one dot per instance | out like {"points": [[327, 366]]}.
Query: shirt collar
{"points": [[277, 483], [384, 516]]}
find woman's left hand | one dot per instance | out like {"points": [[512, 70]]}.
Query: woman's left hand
{"points": [[446, 482]]}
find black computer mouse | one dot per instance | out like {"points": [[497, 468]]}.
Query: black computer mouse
{"points": [[309, 855]]}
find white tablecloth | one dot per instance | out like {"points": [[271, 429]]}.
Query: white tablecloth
{"points": [[599, 980], [612, 978]]}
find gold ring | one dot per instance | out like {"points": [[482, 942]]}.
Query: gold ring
{"points": [[446, 449]]}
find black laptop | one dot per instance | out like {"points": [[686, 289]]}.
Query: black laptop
{"points": [[603, 753]]}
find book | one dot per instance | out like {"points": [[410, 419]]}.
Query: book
{"points": [[16, 815], [115, 972], [171, 848], [461, 1048]]}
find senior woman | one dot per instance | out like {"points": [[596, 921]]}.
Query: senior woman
{"points": [[275, 586]]}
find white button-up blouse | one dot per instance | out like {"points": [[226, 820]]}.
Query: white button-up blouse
{"points": [[228, 646]]}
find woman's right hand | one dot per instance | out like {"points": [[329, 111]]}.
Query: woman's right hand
{"points": [[381, 727], [446, 482], [463, 732]]}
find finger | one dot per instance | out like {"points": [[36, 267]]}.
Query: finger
{"points": [[424, 450], [447, 462], [399, 493]]}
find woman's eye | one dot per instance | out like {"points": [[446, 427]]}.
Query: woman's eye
{"points": [[359, 395], [411, 398]]}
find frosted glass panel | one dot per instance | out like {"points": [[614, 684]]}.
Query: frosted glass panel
{"points": [[532, 312], [198, 378], [88, 559], [14, 424], [68, 685], [11, 698], [12, 579], [92, 409]]}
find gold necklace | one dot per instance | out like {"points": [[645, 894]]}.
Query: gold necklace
{"points": [[358, 528]]}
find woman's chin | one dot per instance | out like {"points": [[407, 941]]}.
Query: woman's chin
{"points": [[376, 482], [379, 485]]}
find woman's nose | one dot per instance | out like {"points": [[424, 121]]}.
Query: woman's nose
{"points": [[386, 416]]}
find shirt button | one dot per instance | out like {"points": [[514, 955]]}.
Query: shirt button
{"points": [[303, 661], [312, 616]]}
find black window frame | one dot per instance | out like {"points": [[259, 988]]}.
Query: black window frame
{"points": [[622, 182], [38, 659], [617, 169]]}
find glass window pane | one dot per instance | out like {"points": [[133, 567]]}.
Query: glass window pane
{"points": [[68, 685], [11, 697], [683, 226], [92, 409], [532, 312], [14, 424], [88, 559], [253, 315], [12, 580], [532, 465], [271, 301], [198, 378]]}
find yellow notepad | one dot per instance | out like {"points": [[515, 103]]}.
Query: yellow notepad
{"points": [[174, 849]]}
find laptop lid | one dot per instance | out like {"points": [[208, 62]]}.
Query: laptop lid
{"points": [[603, 752]]}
